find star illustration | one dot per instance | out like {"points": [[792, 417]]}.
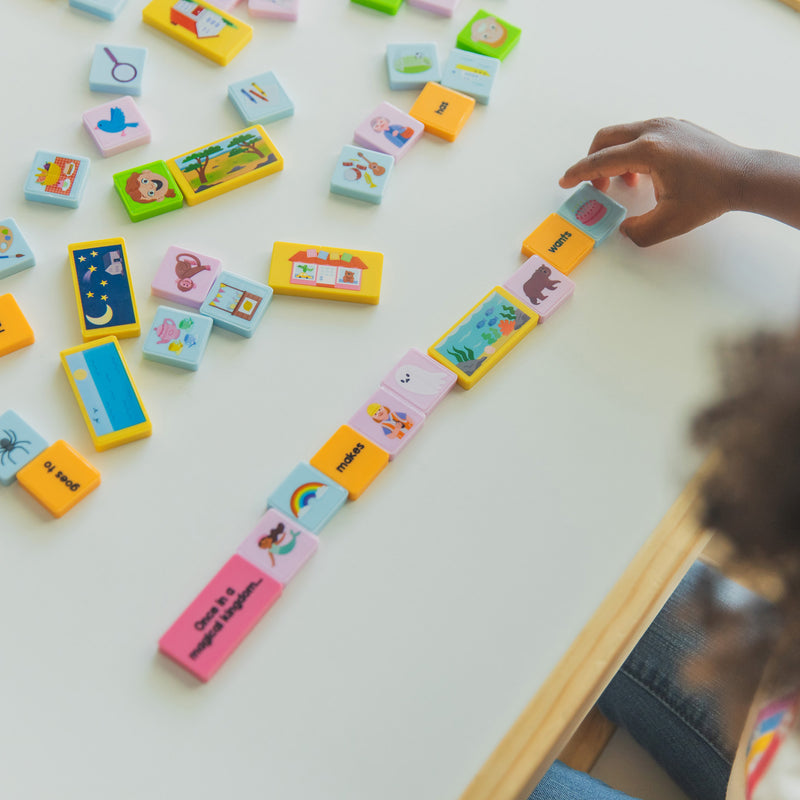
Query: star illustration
{"points": [[104, 283], [93, 253], [90, 294], [104, 297], [81, 258], [92, 269]]}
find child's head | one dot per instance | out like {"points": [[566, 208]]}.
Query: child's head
{"points": [[148, 187], [489, 30]]}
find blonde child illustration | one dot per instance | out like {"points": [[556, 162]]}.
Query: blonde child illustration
{"points": [[394, 424]]}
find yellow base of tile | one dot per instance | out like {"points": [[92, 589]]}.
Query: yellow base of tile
{"points": [[350, 459], [59, 478], [560, 244], [15, 332]]}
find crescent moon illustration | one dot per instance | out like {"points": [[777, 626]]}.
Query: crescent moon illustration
{"points": [[105, 319]]}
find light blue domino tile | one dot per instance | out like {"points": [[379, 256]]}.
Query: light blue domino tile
{"points": [[57, 178], [361, 173], [177, 338], [411, 66], [15, 253], [471, 73], [261, 99], [595, 213], [117, 70], [236, 304], [309, 497], [19, 444], [107, 9]]}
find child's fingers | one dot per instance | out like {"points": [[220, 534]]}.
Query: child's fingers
{"points": [[606, 163], [654, 227], [615, 135]]}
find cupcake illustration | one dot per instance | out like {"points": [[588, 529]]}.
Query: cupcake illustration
{"points": [[590, 212]]}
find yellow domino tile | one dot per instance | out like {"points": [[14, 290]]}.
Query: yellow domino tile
{"points": [[442, 111], [107, 397], [59, 478], [200, 26], [225, 164], [15, 332], [330, 273], [560, 244], [483, 336], [350, 459]]}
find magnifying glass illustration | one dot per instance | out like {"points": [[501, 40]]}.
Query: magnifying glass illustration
{"points": [[122, 71]]}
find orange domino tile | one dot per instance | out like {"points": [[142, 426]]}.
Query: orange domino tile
{"points": [[560, 244], [442, 111], [350, 459], [15, 332], [59, 478]]}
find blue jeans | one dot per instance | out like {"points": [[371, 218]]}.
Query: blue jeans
{"points": [[681, 727]]}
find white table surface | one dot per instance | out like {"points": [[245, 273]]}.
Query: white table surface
{"points": [[441, 599]]}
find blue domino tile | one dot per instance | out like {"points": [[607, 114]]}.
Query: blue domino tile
{"points": [[261, 99], [471, 73], [15, 253], [236, 304], [411, 66], [19, 444], [107, 9], [117, 69], [57, 178], [361, 173], [593, 212], [308, 496], [177, 338]]}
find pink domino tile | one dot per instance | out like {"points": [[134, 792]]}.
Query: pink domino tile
{"points": [[116, 126], [185, 277], [420, 380], [540, 286], [278, 546], [217, 620], [388, 421], [389, 130], [444, 8], [274, 9]]}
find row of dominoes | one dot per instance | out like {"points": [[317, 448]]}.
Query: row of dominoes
{"points": [[283, 540]]}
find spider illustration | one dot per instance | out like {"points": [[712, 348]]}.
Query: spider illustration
{"points": [[9, 443]]}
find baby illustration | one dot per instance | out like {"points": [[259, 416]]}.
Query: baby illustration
{"points": [[398, 135], [489, 30], [148, 187]]}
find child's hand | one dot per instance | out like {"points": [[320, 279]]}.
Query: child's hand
{"points": [[697, 175]]}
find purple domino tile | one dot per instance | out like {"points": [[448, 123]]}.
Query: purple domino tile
{"points": [[185, 277], [420, 380], [387, 420], [389, 130], [540, 286]]}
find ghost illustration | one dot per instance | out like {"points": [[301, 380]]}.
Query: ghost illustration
{"points": [[419, 381]]}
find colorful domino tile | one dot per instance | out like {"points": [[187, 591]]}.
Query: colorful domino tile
{"points": [[540, 286], [388, 130], [388, 421], [236, 304], [483, 336], [200, 26], [351, 459], [558, 243], [15, 252], [15, 332], [274, 9], [57, 178], [488, 35], [177, 338], [471, 73], [593, 212], [278, 546], [106, 395], [220, 617], [107, 9], [185, 277], [59, 478], [443, 8], [361, 173], [225, 164], [116, 126], [442, 111], [306, 270], [309, 497], [148, 190], [103, 289], [412, 65], [387, 6], [420, 380], [19, 444], [260, 99], [117, 69]]}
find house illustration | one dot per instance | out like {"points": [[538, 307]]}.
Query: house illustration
{"points": [[202, 22], [321, 268]]}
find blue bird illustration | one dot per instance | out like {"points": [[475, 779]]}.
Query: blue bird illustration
{"points": [[117, 122]]}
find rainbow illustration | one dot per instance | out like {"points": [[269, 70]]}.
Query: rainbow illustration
{"points": [[303, 495]]}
